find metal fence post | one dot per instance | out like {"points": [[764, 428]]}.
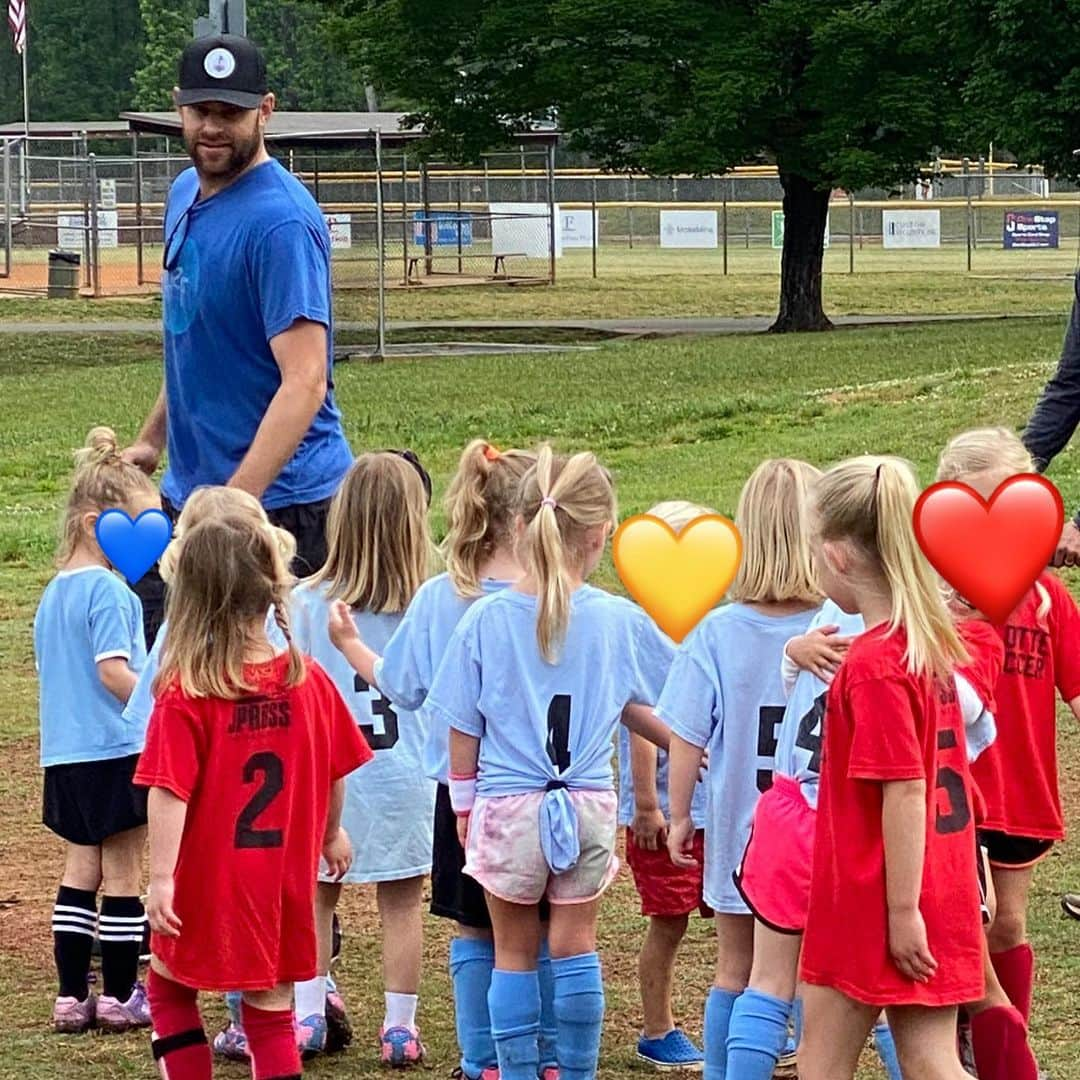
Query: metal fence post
{"points": [[851, 232], [95, 238], [595, 227], [724, 185], [552, 223], [380, 252], [7, 208], [967, 215], [140, 275]]}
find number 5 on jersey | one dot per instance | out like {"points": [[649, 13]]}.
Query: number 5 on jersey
{"points": [[382, 731]]}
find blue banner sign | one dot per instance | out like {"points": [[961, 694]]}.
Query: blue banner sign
{"points": [[1031, 229], [444, 228]]}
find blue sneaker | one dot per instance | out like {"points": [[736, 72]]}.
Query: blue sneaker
{"points": [[311, 1036], [673, 1051]]}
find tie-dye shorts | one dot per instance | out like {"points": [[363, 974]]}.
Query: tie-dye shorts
{"points": [[503, 851]]}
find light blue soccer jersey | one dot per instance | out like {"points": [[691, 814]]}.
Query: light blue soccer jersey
{"points": [[626, 786], [725, 692], [389, 803], [539, 722], [802, 732], [406, 669], [141, 703], [85, 616]]}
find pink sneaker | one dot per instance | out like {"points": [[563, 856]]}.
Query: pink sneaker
{"points": [[401, 1047], [117, 1016], [72, 1017]]}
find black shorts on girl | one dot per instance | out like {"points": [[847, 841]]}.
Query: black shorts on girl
{"points": [[87, 802], [1013, 852]]}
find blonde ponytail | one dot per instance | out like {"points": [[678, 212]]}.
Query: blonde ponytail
{"points": [[869, 501], [561, 498], [480, 505]]}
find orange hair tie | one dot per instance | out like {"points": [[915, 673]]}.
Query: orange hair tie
{"points": [[490, 453]]}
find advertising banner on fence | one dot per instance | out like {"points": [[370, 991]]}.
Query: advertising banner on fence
{"points": [[688, 229], [778, 230], [1031, 229], [911, 228], [577, 227], [523, 229], [444, 226], [340, 226]]}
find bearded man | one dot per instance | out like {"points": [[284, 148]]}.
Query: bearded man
{"points": [[247, 398]]}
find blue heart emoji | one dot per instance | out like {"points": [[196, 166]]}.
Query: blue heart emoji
{"points": [[133, 546]]}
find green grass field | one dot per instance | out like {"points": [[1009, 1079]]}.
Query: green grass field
{"points": [[683, 418]]}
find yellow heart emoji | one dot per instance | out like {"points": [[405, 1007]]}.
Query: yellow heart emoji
{"points": [[677, 577]]}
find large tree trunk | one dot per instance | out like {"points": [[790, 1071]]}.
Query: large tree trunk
{"points": [[806, 210]]}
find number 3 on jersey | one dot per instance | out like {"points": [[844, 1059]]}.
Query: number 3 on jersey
{"points": [[382, 732]]}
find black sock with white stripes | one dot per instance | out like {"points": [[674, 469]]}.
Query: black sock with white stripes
{"points": [[121, 933], [74, 922]]}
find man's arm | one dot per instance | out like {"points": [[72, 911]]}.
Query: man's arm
{"points": [[146, 450], [300, 353], [1057, 412]]}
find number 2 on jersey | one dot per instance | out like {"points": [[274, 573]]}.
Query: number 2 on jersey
{"points": [[383, 717], [270, 767]]}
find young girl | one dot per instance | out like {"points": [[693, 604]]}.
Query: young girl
{"points": [[894, 912], [479, 551], [669, 893], [724, 694], [206, 503], [89, 649], [532, 687], [245, 745], [379, 553], [1018, 776]]}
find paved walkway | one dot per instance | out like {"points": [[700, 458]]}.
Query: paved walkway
{"points": [[629, 327]]}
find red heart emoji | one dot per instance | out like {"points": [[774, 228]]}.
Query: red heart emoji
{"points": [[990, 552]]}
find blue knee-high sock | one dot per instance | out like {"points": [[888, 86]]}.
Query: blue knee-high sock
{"points": [[514, 1002], [886, 1048], [718, 1006], [471, 962], [757, 1033], [797, 1019], [548, 1029], [579, 1014]]}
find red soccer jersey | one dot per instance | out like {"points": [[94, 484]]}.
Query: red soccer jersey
{"points": [[881, 725], [256, 776], [987, 659], [1018, 775]]}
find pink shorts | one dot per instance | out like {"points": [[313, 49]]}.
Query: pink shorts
{"points": [[504, 855], [774, 875]]}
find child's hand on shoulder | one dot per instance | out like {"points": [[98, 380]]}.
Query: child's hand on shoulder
{"points": [[342, 628], [680, 840], [159, 907], [337, 851], [649, 828], [820, 651]]}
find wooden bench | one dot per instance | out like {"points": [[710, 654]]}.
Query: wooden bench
{"points": [[412, 275]]}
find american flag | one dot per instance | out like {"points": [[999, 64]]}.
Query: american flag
{"points": [[16, 14]]}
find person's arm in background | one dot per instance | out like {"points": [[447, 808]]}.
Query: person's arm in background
{"points": [[300, 352], [146, 450], [1055, 419]]}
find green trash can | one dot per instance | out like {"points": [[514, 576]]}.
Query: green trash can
{"points": [[64, 274]]}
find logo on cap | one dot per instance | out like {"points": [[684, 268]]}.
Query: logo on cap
{"points": [[219, 63]]}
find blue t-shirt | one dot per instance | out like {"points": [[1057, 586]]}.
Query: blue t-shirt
{"points": [[406, 669], [539, 722], [250, 261], [725, 692], [389, 803], [626, 786], [85, 616]]}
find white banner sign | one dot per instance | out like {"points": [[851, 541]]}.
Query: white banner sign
{"points": [[71, 229], [340, 226], [107, 194], [688, 229], [911, 228], [577, 228], [523, 229]]}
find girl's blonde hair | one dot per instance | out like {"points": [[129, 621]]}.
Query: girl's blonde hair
{"points": [[561, 498], [102, 481], [773, 518], [993, 450], [480, 505], [678, 513], [868, 501], [228, 573], [212, 501], [379, 550]]}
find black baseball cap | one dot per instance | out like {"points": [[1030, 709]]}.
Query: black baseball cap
{"points": [[225, 68]]}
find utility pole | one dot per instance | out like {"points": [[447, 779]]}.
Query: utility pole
{"points": [[226, 17]]}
